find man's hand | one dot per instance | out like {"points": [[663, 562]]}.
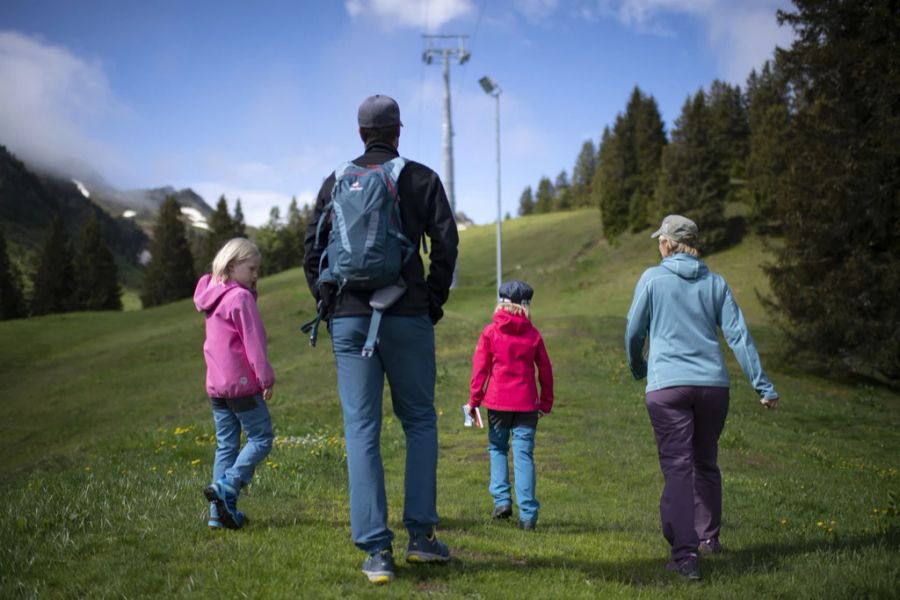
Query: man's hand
{"points": [[266, 394]]}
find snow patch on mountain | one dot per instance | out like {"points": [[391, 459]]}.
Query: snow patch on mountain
{"points": [[84, 191], [195, 217]]}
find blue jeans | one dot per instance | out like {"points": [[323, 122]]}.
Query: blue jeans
{"points": [[405, 353], [231, 415], [522, 427]]}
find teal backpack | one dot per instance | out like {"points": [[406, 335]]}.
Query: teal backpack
{"points": [[366, 247]]}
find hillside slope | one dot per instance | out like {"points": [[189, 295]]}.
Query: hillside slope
{"points": [[108, 442]]}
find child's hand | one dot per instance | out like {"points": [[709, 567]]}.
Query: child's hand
{"points": [[267, 393], [541, 414]]}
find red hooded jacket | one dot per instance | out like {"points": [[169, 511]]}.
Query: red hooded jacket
{"points": [[503, 366]]}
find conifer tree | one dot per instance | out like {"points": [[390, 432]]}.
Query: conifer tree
{"points": [[729, 127], [98, 282], [55, 288], [692, 181], [769, 117], [563, 191], [239, 227], [222, 229], [295, 230], [628, 165], [543, 202], [526, 202], [583, 174], [170, 274], [609, 185], [837, 273], [649, 141], [12, 305], [273, 245]]}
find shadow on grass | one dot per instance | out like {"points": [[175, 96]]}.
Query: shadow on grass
{"points": [[643, 572]]}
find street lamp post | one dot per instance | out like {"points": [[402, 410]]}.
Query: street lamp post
{"points": [[491, 88]]}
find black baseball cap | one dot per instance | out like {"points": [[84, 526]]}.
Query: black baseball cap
{"points": [[379, 111]]}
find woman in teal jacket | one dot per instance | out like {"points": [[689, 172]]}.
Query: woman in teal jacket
{"points": [[681, 304]]}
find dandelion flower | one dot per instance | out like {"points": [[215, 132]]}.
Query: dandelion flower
{"points": [[820, 524]]}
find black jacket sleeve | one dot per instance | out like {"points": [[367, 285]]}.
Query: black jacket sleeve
{"points": [[441, 230], [313, 251]]}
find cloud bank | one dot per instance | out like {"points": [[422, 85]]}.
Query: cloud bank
{"points": [[742, 33], [428, 16], [49, 101]]}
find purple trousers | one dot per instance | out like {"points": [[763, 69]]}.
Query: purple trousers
{"points": [[687, 421]]}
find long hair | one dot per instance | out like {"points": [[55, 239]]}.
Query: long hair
{"points": [[235, 250]]}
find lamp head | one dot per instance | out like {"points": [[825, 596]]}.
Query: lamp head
{"points": [[487, 85]]}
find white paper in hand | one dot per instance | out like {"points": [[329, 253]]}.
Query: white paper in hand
{"points": [[469, 422]]}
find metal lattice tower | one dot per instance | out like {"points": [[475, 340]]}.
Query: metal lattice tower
{"points": [[462, 55]]}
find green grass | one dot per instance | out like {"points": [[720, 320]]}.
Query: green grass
{"points": [[108, 442]]}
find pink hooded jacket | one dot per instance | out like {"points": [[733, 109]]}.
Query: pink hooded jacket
{"points": [[504, 362], [235, 348]]}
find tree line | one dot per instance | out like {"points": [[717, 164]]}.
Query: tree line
{"points": [[66, 277], [176, 261], [809, 149], [85, 277]]}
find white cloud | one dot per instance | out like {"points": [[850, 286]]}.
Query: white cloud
{"points": [[742, 33], [536, 10], [50, 99], [429, 16], [256, 204]]}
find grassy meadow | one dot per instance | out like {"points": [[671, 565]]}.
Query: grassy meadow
{"points": [[108, 440]]}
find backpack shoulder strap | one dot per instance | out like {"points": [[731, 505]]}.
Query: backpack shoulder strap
{"points": [[394, 166], [341, 169]]}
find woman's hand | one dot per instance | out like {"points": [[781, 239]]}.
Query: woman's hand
{"points": [[266, 394]]}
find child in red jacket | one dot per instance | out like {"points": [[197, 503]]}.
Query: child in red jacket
{"points": [[503, 379]]}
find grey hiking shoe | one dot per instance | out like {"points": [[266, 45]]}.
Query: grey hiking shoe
{"points": [[502, 512], [710, 546], [687, 567], [379, 567], [426, 549]]}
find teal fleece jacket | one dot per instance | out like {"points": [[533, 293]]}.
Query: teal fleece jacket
{"points": [[681, 304]]}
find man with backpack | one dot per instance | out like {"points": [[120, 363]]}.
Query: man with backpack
{"points": [[365, 270]]}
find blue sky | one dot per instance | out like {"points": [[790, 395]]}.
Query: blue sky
{"points": [[258, 100]]}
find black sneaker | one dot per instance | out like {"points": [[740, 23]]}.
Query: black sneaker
{"points": [[426, 549], [502, 512], [379, 567], [710, 546], [528, 525], [688, 567]]}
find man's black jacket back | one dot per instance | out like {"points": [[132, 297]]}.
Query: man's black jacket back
{"points": [[425, 210]]}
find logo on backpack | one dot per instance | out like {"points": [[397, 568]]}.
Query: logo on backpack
{"points": [[366, 246]]}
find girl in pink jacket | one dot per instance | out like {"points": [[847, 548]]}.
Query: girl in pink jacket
{"points": [[503, 379], [239, 378]]}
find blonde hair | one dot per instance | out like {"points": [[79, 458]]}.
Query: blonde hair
{"points": [[235, 250], [513, 308], [679, 247]]}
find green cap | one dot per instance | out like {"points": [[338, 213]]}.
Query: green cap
{"points": [[678, 229]]}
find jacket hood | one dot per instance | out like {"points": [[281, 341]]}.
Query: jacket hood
{"points": [[208, 293], [685, 266], [510, 323]]}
